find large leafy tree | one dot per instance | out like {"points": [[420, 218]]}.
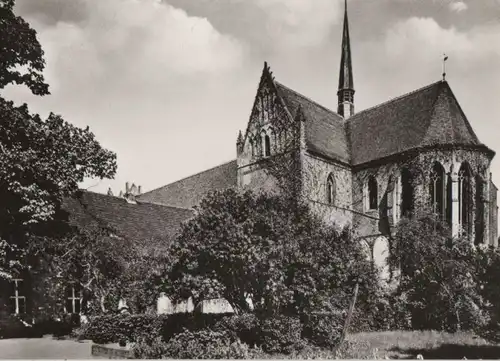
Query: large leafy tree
{"points": [[41, 160], [242, 245], [21, 55], [439, 275]]}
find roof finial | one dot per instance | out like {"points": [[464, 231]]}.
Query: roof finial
{"points": [[445, 57]]}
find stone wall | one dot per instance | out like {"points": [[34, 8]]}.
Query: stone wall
{"points": [[314, 187]]}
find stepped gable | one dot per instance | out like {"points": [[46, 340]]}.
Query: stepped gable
{"points": [[188, 192], [324, 129], [134, 221], [430, 116]]}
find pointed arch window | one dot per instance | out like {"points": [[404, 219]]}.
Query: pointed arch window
{"points": [[330, 189], [372, 193], [258, 145], [252, 147], [437, 190], [267, 145], [406, 193], [479, 225], [464, 198]]}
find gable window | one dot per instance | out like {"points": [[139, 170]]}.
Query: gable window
{"points": [[18, 297], [258, 145], [330, 189], [73, 299], [252, 148], [372, 193], [267, 145]]}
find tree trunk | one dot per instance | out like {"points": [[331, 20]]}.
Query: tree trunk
{"points": [[349, 315]]}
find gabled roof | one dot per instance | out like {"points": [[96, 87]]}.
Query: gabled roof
{"points": [[430, 116], [134, 221], [325, 129], [188, 192]]}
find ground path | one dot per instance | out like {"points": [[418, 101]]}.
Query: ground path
{"points": [[44, 348]]}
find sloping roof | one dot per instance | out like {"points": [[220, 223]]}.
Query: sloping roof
{"points": [[140, 221], [188, 192], [325, 130], [426, 117]]}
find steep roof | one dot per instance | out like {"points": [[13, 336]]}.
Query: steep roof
{"points": [[188, 192], [140, 221], [429, 116], [325, 130]]}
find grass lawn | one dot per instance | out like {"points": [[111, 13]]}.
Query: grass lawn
{"points": [[430, 344], [44, 348]]}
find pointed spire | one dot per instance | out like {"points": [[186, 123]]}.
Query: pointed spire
{"points": [[240, 138], [346, 81]]}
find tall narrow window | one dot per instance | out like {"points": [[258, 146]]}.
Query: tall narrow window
{"points": [[406, 193], [330, 189], [258, 145], [18, 297], [479, 224], [372, 193], [267, 145], [464, 198], [73, 299], [437, 190], [252, 148]]}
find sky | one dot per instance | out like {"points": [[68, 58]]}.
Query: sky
{"points": [[167, 84]]}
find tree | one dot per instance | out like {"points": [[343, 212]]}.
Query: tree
{"points": [[21, 55], [41, 161], [438, 275], [243, 245]]}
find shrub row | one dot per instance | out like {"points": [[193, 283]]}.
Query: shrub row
{"points": [[13, 327], [114, 328]]}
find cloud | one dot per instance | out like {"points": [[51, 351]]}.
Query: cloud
{"points": [[299, 22], [458, 6]]}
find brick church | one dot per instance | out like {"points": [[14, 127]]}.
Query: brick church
{"points": [[367, 169], [411, 155]]}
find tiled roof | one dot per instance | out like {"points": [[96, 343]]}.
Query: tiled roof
{"points": [[325, 130], [426, 117], [140, 221], [188, 192]]}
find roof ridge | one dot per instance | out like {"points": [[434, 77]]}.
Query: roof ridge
{"points": [[307, 98], [190, 176], [399, 97], [163, 205]]}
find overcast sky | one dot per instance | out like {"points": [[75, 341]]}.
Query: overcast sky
{"points": [[168, 84]]}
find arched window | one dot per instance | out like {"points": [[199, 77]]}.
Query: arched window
{"points": [[437, 190], [372, 193], [479, 224], [252, 148], [465, 198], [406, 193], [274, 141], [258, 145], [330, 189], [267, 145]]}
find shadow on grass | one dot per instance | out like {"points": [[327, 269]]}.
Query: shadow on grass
{"points": [[452, 351]]}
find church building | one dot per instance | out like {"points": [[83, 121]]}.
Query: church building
{"points": [[415, 154]]}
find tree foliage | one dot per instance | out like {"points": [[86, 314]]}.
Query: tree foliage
{"points": [[439, 277], [21, 55], [242, 245]]}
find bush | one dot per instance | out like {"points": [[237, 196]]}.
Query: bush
{"points": [[246, 327], [13, 327], [208, 344], [323, 330], [281, 334], [117, 327]]}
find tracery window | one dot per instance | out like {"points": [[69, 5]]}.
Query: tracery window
{"points": [[330, 189], [252, 148], [437, 190], [479, 223], [465, 198]]}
